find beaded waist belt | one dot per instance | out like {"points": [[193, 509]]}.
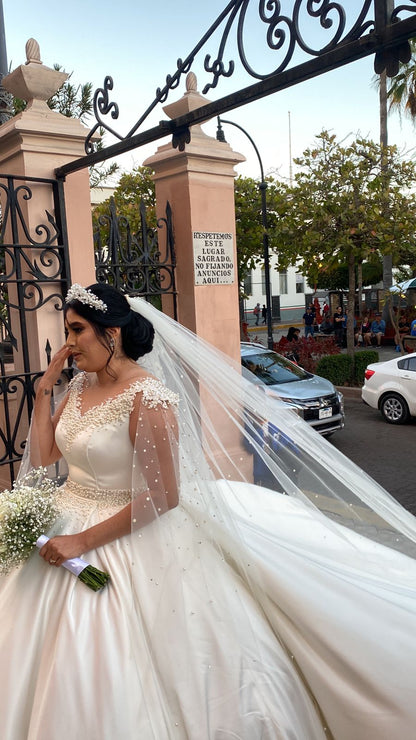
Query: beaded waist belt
{"points": [[104, 497]]}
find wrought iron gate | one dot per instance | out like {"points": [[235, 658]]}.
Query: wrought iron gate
{"points": [[138, 263], [34, 271]]}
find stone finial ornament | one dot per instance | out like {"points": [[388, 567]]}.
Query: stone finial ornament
{"points": [[32, 52], [33, 81], [191, 83], [190, 100]]}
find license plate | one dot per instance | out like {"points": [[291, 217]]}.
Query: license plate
{"points": [[325, 413]]}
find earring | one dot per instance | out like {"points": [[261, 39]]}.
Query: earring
{"points": [[112, 343]]}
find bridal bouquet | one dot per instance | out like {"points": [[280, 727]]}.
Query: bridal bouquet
{"points": [[27, 510]]}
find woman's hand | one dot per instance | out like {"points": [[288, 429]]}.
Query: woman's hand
{"points": [[63, 547], [54, 370]]}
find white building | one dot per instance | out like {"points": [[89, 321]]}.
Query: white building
{"points": [[290, 293]]}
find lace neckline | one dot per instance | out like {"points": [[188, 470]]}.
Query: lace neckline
{"points": [[85, 383], [113, 410]]}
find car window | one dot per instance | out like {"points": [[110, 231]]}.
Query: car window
{"points": [[412, 364], [408, 363], [272, 369]]}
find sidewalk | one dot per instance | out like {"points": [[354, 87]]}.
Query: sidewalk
{"points": [[279, 331]]}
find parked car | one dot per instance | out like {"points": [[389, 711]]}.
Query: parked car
{"points": [[313, 398], [391, 387]]}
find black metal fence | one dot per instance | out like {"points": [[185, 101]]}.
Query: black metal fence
{"points": [[140, 262], [34, 272]]}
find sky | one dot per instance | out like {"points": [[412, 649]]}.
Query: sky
{"points": [[138, 42]]}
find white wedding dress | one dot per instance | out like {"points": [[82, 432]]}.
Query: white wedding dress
{"points": [[282, 625]]}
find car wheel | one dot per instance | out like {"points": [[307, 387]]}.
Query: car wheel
{"points": [[394, 409]]}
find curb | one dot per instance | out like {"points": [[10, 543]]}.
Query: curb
{"points": [[349, 391]]}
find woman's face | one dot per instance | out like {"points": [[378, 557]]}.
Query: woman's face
{"points": [[86, 348]]}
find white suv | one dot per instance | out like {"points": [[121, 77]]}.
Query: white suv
{"points": [[391, 387]]}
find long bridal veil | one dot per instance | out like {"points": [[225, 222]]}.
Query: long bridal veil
{"points": [[302, 585], [227, 424]]}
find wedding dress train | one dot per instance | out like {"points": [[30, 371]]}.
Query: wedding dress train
{"points": [[273, 623]]}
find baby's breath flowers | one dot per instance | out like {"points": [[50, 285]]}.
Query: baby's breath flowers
{"points": [[25, 512]]}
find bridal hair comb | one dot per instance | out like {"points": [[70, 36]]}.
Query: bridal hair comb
{"points": [[83, 295]]}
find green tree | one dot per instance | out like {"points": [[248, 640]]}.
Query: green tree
{"points": [[350, 205], [248, 216], [402, 90], [132, 188], [72, 101], [337, 277], [138, 185]]}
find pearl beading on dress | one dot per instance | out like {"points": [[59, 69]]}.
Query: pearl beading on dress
{"points": [[113, 410], [80, 501], [102, 497]]}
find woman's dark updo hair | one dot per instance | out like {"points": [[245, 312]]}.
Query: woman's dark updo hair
{"points": [[137, 332]]}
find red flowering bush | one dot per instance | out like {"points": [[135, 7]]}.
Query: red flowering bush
{"points": [[307, 352]]}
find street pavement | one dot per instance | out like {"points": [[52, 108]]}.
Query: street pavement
{"points": [[384, 451]]}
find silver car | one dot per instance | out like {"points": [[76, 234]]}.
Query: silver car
{"points": [[313, 398]]}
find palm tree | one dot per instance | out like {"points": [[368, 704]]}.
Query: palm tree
{"points": [[402, 91]]}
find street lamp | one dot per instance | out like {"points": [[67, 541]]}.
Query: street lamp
{"points": [[6, 99], [263, 189]]}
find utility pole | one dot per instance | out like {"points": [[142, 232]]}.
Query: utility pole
{"points": [[290, 152], [387, 258]]}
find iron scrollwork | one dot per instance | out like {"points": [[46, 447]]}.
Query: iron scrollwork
{"points": [[135, 262], [27, 260], [34, 271], [284, 37], [402, 9]]}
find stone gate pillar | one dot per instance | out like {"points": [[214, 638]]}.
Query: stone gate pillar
{"points": [[33, 144], [199, 185]]}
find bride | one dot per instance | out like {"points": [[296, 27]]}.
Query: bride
{"points": [[233, 611]]}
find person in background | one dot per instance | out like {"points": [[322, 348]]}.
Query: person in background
{"points": [[317, 311], [308, 322], [339, 326], [366, 331], [264, 314], [293, 334], [256, 312], [378, 327], [293, 337], [326, 326], [403, 329]]}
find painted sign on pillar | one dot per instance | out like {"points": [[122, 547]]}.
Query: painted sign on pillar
{"points": [[214, 260]]}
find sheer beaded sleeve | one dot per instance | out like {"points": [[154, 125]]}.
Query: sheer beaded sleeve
{"points": [[155, 456]]}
